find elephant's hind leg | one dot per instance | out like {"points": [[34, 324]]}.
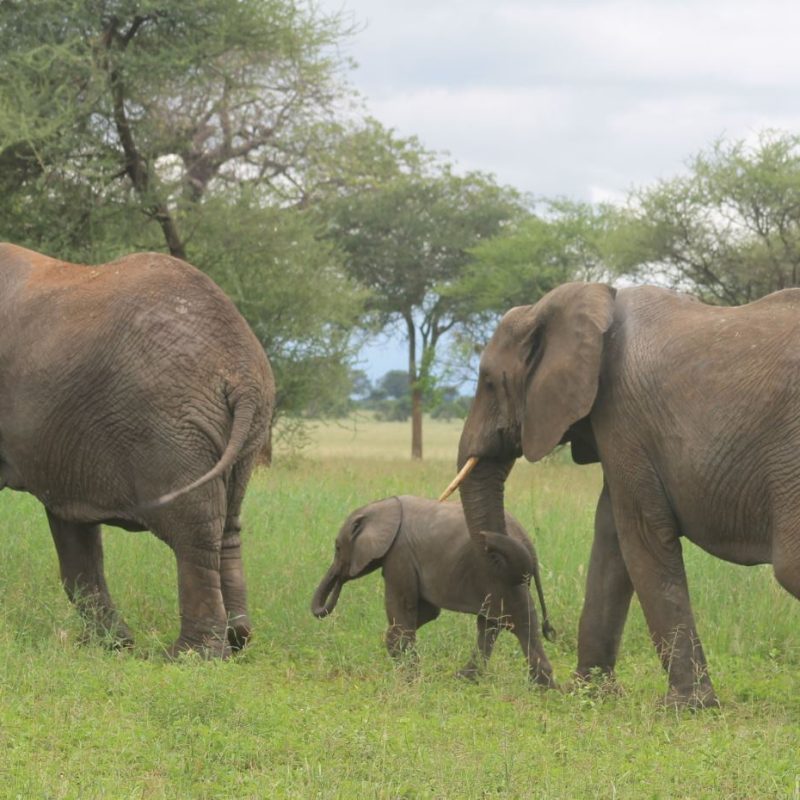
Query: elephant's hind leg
{"points": [[650, 545], [80, 555], [234, 591], [193, 527], [525, 627], [204, 622]]}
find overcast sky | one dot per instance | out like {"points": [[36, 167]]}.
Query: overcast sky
{"points": [[582, 98]]}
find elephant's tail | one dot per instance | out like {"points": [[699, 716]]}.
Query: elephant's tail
{"points": [[244, 412], [548, 630]]}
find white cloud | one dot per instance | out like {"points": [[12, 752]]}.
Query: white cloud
{"points": [[747, 45], [578, 97]]}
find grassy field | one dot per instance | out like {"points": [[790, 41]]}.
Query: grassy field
{"points": [[361, 437], [315, 709]]}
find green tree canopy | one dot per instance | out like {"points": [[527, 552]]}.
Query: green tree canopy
{"points": [[729, 230], [563, 241], [150, 105]]}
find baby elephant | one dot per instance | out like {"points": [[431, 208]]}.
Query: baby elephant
{"points": [[429, 562]]}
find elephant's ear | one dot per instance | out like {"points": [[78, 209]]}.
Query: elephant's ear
{"points": [[564, 352], [374, 533], [510, 557]]}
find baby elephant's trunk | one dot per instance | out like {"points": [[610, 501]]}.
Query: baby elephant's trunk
{"points": [[518, 564], [327, 594]]}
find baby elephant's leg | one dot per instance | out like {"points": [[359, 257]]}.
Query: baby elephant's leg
{"points": [[525, 625], [401, 611], [487, 636]]}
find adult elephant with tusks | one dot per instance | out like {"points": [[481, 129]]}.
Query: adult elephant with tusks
{"points": [[134, 394], [693, 412]]}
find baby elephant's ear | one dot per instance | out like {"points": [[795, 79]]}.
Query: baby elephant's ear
{"points": [[378, 527]]}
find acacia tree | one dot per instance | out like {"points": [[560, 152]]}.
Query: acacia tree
{"points": [[153, 103], [407, 240], [562, 241], [729, 230], [199, 128]]}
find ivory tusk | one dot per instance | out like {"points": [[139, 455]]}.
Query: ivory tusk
{"points": [[456, 482]]}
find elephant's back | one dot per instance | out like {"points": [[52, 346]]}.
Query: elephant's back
{"points": [[13, 256], [136, 283], [142, 306], [451, 517], [107, 363]]}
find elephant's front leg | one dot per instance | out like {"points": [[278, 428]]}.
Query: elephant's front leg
{"points": [[204, 621], [487, 636], [652, 551], [80, 556], [608, 596], [402, 607]]}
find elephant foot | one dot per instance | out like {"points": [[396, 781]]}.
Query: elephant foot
{"points": [[109, 631], [543, 680], [406, 664], [698, 699], [540, 673], [114, 641], [595, 683], [469, 673], [207, 648], [240, 632]]}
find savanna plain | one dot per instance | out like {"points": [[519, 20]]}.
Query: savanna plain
{"points": [[314, 708]]}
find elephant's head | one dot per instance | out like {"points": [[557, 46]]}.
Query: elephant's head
{"points": [[362, 542], [538, 377]]}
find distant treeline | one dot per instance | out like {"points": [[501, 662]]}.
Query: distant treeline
{"points": [[389, 399]]}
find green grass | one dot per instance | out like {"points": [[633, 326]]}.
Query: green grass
{"points": [[315, 709]]}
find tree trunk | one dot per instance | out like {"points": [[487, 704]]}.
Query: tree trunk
{"points": [[136, 165], [416, 422], [170, 230], [416, 391]]}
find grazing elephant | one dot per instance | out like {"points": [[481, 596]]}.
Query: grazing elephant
{"points": [[134, 394], [693, 412], [430, 563]]}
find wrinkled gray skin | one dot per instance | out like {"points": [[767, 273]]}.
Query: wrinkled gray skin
{"points": [[429, 563], [134, 394], [693, 412]]}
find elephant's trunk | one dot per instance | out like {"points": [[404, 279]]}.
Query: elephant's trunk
{"points": [[327, 593], [482, 497]]}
